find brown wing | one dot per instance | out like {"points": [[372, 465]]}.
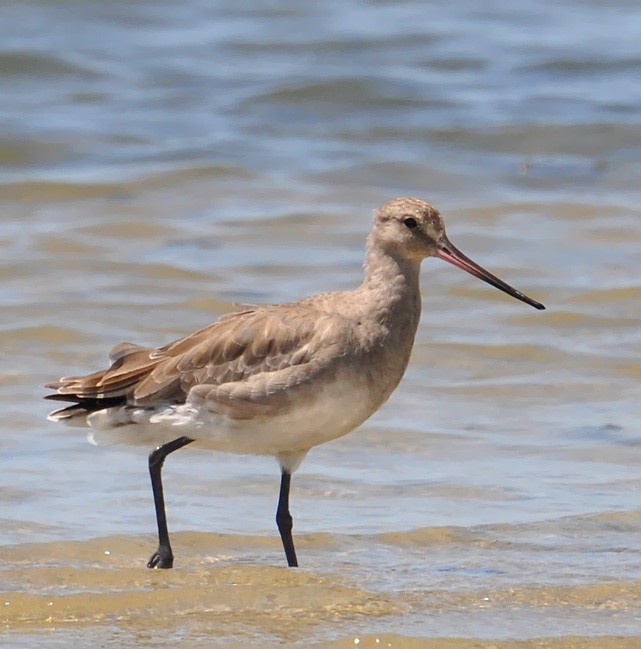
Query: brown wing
{"points": [[237, 347], [129, 364]]}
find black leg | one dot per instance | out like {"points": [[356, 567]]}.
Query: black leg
{"points": [[284, 520], [163, 557]]}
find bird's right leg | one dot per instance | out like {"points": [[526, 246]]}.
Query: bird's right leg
{"points": [[284, 520], [163, 557]]}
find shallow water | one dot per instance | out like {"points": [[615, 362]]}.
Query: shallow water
{"points": [[160, 162]]}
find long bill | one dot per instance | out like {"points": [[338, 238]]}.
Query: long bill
{"points": [[453, 255]]}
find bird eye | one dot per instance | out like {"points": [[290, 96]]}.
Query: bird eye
{"points": [[410, 223]]}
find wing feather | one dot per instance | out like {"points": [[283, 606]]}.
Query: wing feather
{"points": [[243, 361]]}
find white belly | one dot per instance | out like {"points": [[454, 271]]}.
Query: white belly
{"points": [[321, 415]]}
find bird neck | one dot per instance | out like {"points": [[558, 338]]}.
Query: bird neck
{"points": [[392, 286]]}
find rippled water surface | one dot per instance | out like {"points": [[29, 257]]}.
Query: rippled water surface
{"points": [[162, 161]]}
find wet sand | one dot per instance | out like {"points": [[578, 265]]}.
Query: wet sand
{"points": [[98, 593]]}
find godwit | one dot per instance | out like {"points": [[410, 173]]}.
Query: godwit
{"points": [[276, 379]]}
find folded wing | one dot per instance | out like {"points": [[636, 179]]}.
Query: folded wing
{"points": [[244, 358]]}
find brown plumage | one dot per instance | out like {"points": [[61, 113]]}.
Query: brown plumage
{"points": [[285, 345]]}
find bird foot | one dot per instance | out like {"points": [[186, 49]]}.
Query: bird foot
{"points": [[161, 558]]}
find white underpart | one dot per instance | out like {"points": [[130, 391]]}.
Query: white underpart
{"points": [[331, 411]]}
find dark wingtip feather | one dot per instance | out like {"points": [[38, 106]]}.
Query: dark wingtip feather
{"points": [[90, 405], [61, 397]]}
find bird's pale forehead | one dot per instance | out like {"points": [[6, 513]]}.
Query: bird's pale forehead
{"points": [[407, 205]]}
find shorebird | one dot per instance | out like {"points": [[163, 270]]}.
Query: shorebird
{"points": [[276, 379]]}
